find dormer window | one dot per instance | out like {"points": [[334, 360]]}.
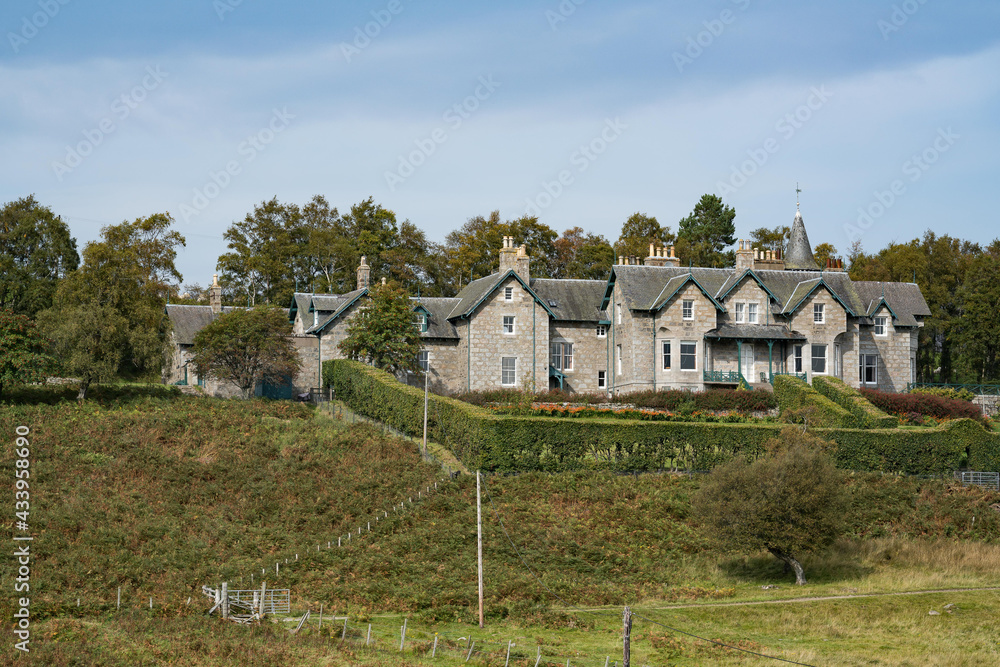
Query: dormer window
{"points": [[752, 313], [819, 313], [508, 293], [420, 321], [687, 309], [881, 326], [740, 313]]}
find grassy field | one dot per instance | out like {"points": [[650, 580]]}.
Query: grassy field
{"points": [[161, 495]]}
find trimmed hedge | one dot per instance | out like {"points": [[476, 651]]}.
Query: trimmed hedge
{"points": [[485, 441], [850, 399], [794, 395], [715, 400]]}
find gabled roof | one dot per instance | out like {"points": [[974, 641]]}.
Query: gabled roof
{"points": [[300, 303], [437, 310], [806, 288], [642, 286], [753, 332], [479, 290], [189, 320], [674, 285], [737, 278], [340, 304], [575, 300], [903, 300]]}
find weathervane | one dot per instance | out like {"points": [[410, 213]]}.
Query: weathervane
{"points": [[797, 191]]}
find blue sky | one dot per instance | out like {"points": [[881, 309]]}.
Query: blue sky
{"points": [[886, 113]]}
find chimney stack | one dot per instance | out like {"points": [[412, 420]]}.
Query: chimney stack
{"points": [[364, 273], [215, 295]]}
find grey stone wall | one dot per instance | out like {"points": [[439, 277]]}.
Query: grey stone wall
{"points": [[671, 325], [590, 354], [834, 325]]}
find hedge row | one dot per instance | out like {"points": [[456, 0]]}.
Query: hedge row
{"points": [[866, 414], [508, 444], [923, 404], [714, 400], [800, 402]]}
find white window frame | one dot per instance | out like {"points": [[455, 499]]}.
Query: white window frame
{"points": [[692, 355], [618, 313], [740, 312], [602, 331], [602, 379], [512, 325], [813, 358], [797, 362], [511, 371], [837, 361], [618, 359], [508, 293], [687, 309], [561, 356], [819, 313], [752, 313], [880, 322], [867, 361], [665, 359], [424, 360], [420, 322]]}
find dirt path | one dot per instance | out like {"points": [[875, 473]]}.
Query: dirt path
{"points": [[823, 598]]}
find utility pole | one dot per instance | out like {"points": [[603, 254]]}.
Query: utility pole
{"points": [[427, 372], [479, 531], [627, 635]]}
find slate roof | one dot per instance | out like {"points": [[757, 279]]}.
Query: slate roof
{"points": [[904, 299], [799, 255], [575, 300], [438, 325], [333, 304], [189, 320], [754, 331], [642, 286], [475, 292]]}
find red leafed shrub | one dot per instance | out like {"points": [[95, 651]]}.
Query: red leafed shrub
{"points": [[926, 405]]}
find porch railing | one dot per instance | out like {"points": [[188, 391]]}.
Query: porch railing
{"points": [[724, 377], [769, 377]]}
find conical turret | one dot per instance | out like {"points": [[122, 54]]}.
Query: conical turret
{"points": [[799, 256]]}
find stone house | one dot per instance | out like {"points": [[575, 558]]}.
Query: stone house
{"points": [[653, 324]]}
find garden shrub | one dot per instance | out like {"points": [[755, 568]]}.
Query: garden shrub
{"points": [[714, 400], [482, 440], [924, 404], [946, 392], [800, 402], [850, 399]]}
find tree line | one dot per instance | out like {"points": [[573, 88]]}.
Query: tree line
{"points": [[99, 315]]}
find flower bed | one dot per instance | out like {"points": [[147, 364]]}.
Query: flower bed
{"points": [[673, 400]]}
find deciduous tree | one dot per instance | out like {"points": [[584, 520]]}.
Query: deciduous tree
{"points": [[24, 354], [383, 333], [638, 232], [790, 502], [247, 347]]}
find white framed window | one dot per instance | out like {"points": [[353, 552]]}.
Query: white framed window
{"points": [[819, 313], [881, 326], [420, 321], [752, 313], [424, 359], [602, 331], [508, 293], [561, 356], [508, 325], [602, 380], [618, 360], [687, 309], [740, 313], [665, 352], [819, 359], [837, 357], [618, 313], [797, 351], [689, 355], [508, 371], [868, 367]]}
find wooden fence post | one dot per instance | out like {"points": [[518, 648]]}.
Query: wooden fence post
{"points": [[119, 597], [343, 635], [506, 662], [321, 619], [369, 637], [225, 600], [435, 649], [403, 638], [627, 635]]}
